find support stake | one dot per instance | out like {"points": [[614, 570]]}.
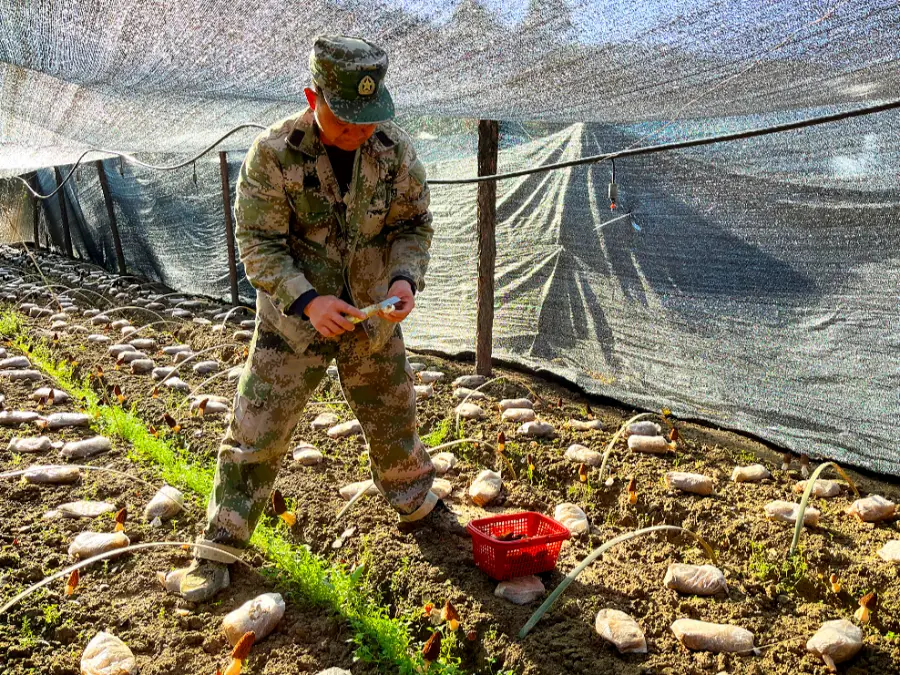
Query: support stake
{"points": [[229, 230], [107, 197], [36, 208], [488, 138], [61, 195]]}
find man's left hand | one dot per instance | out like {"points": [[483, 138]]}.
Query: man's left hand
{"points": [[402, 290]]}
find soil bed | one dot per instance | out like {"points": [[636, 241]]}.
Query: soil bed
{"points": [[47, 632], [782, 601]]}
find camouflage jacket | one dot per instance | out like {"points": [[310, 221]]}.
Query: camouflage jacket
{"points": [[295, 233]]}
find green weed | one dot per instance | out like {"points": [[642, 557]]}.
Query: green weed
{"points": [[52, 615], [27, 636], [10, 323], [745, 457], [787, 573], [438, 435]]}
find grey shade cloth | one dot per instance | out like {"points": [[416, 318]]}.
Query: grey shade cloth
{"points": [[172, 77], [755, 285]]}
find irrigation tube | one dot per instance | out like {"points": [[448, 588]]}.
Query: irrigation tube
{"points": [[678, 145], [592, 159], [111, 554], [134, 160]]}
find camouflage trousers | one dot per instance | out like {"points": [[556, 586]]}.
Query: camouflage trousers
{"points": [[272, 392]]}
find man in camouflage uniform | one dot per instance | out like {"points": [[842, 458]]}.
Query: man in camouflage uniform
{"points": [[331, 215]]}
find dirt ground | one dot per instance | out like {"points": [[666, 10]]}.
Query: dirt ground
{"points": [[782, 602]]}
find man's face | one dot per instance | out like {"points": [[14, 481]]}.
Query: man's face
{"points": [[336, 132]]}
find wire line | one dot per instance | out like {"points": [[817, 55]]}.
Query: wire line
{"points": [[678, 145]]}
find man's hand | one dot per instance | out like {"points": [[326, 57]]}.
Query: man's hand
{"points": [[402, 290], [326, 314]]}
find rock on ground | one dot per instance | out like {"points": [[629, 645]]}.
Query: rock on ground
{"points": [[750, 474], [836, 642], [694, 483], [581, 454], [695, 579], [88, 544], [470, 411], [822, 488], [166, 503], [520, 591], [872, 509], [537, 429], [890, 551], [351, 428], [260, 615], [620, 629], [573, 518], [787, 512], [585, 425], [507, 403], [324, 421], [519, 415], [712, 637], [106, 654], [486, 487]]}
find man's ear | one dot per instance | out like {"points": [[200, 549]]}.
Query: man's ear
{"points": [[310, 97]]}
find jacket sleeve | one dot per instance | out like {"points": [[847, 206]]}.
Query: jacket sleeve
{"points": [[262, 219], [408, 221]]}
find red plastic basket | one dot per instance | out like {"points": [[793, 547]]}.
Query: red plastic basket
{"points": [[503, 560]]}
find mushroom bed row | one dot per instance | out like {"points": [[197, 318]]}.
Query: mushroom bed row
{"points": [[141, 351]]}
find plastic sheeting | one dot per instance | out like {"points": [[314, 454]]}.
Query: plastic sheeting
{"points": [[172, 228], [173, 76], [755, 285]]}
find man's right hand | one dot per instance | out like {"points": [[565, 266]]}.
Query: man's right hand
{"points": [[326, 314]]}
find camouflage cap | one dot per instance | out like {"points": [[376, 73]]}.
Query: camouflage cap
{"points": [[350, 73]]}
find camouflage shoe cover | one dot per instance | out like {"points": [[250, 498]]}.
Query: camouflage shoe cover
{"points": [[203, 579], [440, 519]]}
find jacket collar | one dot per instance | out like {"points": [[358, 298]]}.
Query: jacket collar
{"points": [[311, 145]]}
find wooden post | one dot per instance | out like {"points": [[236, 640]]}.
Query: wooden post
{"points": [[488, 137], [61, 195], [113, 225], [229, 230], [36, 206]]}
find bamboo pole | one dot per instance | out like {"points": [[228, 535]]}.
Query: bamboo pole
{"points": [[36, 212], [229, 229], [488, 138], [113, 225], [63, 213]]}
